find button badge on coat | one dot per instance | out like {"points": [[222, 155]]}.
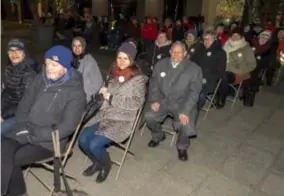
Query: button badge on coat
{"points": [[209, 53], [192, 50], [159, 56], [163, 74]]}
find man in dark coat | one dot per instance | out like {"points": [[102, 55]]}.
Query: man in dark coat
{"points": [[56, 97], [174, 90], [18, 75], [210, 56]]}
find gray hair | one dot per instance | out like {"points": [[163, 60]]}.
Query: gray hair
{"points": [[211, 32], [179, 43]]}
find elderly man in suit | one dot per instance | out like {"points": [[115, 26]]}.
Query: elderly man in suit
{"points": [[174, 91]]}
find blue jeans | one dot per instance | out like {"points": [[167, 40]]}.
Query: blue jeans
{"points": [[7, 125], [92, 144]]}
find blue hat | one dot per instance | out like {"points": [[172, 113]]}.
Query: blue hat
{"points": [[61, 55], [192, 32], [129, 49]]}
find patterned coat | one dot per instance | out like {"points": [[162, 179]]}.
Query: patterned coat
{"points": [[116, 118]]}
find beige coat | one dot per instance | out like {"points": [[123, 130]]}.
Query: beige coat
{"points": [[116, 119], [240, 57]]}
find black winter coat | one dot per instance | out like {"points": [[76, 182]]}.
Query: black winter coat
{"points": [[212, 62], [61, 104], [16, 79]]}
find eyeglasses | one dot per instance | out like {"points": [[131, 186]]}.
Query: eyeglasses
{"points": [[17, 51]]}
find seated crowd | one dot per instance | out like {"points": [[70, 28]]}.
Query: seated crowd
{"points": [[178, 78]]}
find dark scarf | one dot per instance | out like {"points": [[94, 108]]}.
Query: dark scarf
{"points": [[76, 60], [61, 80]]}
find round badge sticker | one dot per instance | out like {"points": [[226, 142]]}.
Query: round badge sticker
{"points": [[258, 57], [163, 74], [192, 50], [121, 79], [159, 56], [209, 53], [240, 54]]}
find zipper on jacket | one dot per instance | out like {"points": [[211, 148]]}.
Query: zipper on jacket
{"points": [[53, 99]]}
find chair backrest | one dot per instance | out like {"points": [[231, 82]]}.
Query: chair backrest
{"points": [[135, 124], [74, 137]]}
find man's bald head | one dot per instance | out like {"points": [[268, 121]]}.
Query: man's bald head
{"points": [[178, 52]]}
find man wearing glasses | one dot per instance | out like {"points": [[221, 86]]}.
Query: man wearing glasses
{"points": [[174, 91], [17, 76]]}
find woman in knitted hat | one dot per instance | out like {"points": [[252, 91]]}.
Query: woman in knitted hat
{"points": [[87, 66], [124, 95], [240, 63]]}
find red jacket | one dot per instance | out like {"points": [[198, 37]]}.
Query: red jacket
{"points": [[149, 31], [271, 28], [223, 37], [188, 26]]}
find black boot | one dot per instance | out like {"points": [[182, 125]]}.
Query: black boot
{"points": [[105, 163], [92, 169], [249, 96], [155, 142], [182, 155], [220, 101]]}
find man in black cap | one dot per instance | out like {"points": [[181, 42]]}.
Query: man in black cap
{"points": [[17, 77]]}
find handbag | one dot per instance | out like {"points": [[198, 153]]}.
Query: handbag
{"points": [[95, 103], [59, 167]]}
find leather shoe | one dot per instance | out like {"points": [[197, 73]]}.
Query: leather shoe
{"points": [[91, 170], [155, 143], [182, 155]]}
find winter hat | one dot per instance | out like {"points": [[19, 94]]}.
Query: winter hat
{"points": [[81, 40], [61, 55], [192, 32], [265, 34], [238, 31], [129, 49], [16, 43]]}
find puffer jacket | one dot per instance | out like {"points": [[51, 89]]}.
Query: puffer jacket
{"points": [[44, 105], [240, 57], [16, 79]]}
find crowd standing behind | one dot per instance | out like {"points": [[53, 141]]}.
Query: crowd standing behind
{"points": [[178, 65]]}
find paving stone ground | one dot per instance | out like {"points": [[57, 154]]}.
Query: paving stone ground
{"points": [[238, 152]]}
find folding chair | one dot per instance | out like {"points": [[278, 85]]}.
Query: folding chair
{"points": [[278, 75], [64, 156], [126, 145], [210, 100], [166, 129], [236, 88]]}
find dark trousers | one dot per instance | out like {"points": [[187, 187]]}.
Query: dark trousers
{"points": [[229, 78], [15, 156], [154, 121], [93, 145]]}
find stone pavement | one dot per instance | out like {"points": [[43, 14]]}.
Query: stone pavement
{"points": [[236, 153]]}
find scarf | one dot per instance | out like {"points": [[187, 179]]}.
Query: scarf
{"points": [[122, 75], [61, 80], [189, 43], [76, 60], [231, 46]]}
